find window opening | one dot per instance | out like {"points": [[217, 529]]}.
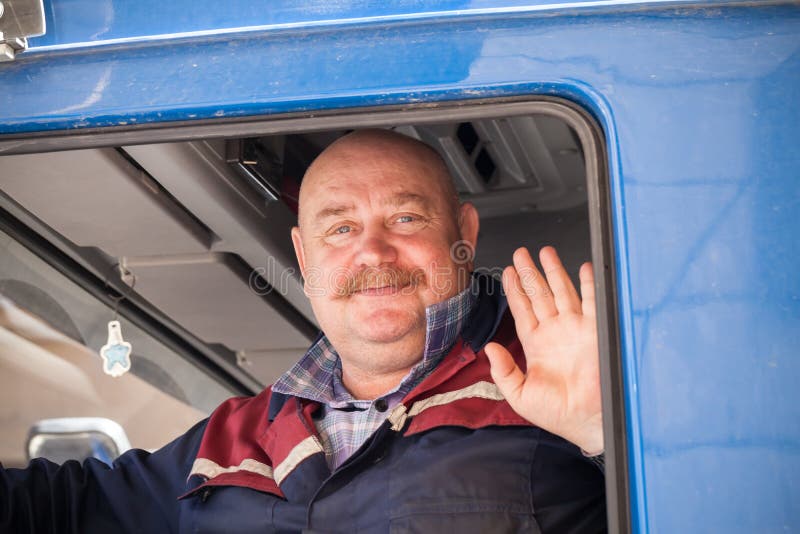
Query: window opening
{"points": [[534, 169]]}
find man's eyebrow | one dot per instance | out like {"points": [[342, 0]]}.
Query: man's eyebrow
{"points": [[333, 211], [407, 197]]}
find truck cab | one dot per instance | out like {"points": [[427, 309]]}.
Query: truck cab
{"points": [[151, 154]]}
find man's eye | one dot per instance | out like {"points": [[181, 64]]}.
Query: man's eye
{"points": [[343, 229], [405, 219]]}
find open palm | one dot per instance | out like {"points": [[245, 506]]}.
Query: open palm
{"points": [[560, 388]]}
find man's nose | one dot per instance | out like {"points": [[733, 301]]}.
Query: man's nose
{"points": [[375, 249]]}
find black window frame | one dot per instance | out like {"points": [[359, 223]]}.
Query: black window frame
{"points": [[589, 133]]}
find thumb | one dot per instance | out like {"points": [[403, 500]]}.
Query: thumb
{"points": [[505, 372]]}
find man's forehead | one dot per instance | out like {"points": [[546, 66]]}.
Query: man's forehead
{"points": [[340, 200], [370, 165]]}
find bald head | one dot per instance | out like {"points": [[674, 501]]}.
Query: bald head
{"points": [[380, 148], [379, 219]]}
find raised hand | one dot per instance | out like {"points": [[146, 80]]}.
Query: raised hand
{"points": [[560, 390]]}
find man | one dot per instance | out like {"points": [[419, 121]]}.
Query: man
{"points": [[410, 414]]}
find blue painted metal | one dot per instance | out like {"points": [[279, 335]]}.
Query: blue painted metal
{"points": [[97, 21], [699, 108]]}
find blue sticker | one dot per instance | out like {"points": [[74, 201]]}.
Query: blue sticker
{"points": [[116, 353]]}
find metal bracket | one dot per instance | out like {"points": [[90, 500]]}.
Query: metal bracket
{"points": [[259, 163], [10, 47], [19, 19]]}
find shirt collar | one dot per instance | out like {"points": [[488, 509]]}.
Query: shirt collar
{"points": [[318, 374]]}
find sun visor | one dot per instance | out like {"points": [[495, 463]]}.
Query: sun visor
{"points": [[98, 198], [214, 296]]}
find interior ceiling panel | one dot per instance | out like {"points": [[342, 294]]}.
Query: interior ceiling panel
{"points": [[200, 178], [96, 198], [207, 294]]}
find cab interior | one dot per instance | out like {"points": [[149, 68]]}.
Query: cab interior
{"points": [[187, 243]]}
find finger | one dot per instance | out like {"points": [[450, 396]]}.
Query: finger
{"points": [[586, 275], [534, 284], [505, 372], [524, 317], [564, 293]]}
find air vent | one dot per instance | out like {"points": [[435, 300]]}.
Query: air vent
{"points": [[485, 165], [476, 150], [468, 137]]}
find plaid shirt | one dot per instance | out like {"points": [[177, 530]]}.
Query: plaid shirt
{"points": [[345, 423]]}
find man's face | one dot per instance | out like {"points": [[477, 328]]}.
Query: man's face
{"points": [[377, 225]]}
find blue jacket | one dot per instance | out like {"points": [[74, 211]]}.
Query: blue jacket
{"points": [[453, 457]]}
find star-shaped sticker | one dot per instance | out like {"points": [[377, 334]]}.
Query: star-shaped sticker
{"points": [[116, 358]]}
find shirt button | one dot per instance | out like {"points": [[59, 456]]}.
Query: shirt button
{"points": [[381, 405]]}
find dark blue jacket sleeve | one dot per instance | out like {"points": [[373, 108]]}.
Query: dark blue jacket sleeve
{"points": [[138, 494]]}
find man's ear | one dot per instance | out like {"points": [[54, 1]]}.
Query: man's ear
{"points": [[297, 241], [468, 224]]}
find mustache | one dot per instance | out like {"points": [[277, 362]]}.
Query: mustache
{"points": [[383, 277]]}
